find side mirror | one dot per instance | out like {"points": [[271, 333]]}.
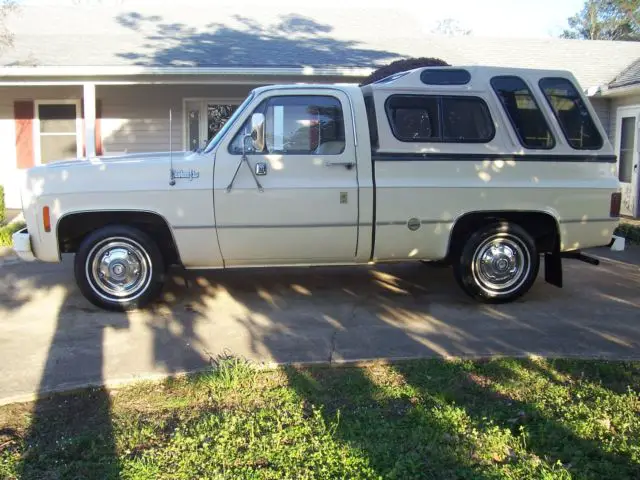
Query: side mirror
{"points": [[257, 131]]}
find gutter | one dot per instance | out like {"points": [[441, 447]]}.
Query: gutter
{"points": [[620, 91], [105, 71]]}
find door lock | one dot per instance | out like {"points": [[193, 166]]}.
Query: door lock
{"points": [[261, 168]]}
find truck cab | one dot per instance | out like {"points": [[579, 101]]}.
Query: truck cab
{"points": [[485, 168]]}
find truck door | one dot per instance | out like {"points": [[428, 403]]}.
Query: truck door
{"points": [[296, 201]]}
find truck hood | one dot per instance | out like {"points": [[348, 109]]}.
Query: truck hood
{"points": [[114, 159], [133, 172]]}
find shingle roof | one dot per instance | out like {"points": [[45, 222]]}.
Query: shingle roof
{"points": [[629, 76], [171, 34]]}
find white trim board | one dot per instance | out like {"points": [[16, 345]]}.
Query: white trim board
{"points": [[36, 126], [100, 71]]}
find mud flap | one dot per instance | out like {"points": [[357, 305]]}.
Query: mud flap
{"points": [[553, 268]]}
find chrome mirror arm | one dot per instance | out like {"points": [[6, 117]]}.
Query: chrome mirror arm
{"points": [[244, 159]]}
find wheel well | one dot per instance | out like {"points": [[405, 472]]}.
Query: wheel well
{"points": [[73, 228], [542, 227]]}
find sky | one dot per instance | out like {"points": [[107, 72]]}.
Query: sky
{"points": [[502, 18]]}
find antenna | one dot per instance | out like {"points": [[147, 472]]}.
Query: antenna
{"points": [[172, 180]]}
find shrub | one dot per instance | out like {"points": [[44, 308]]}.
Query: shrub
{"points": [[2, 209], [401, 66], [7, 230], [629, 231]]}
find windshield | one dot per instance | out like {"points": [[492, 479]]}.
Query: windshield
{"points": [[223, 131]]}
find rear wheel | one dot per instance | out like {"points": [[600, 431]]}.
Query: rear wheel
{"points": [[119, 268], [498, 264]]}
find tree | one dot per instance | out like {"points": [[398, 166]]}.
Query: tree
{"points": [[450, 27], [7, 7], [401, 66], [606, 20]]}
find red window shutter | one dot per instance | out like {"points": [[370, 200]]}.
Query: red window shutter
{"points": [[99, 150], [23, 113]]}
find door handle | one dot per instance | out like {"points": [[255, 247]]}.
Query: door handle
{"points": [[261, 168], [347, 165]]}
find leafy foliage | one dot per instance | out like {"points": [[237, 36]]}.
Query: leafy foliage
{"points": [[606, 20], [7, 230], [3, 212], [450, 27], [630, 231], [7, 7], [401, 66]]}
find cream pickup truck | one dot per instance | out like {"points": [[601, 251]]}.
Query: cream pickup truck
{"points": [[484, 168]]}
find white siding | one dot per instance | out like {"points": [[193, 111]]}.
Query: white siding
{"points": [[9, 173], [135, 118]]}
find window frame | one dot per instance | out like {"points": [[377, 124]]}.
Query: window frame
{"points": [[37, 154], [555, 115], [372, 121], [511, 121], [261, 108], [618, 144], [203, 102], [440, 125]]}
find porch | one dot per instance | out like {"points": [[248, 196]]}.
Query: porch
{"points": [[41, 124]]}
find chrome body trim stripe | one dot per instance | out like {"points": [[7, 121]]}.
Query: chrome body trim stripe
{"points": [[590, 220], [473, 157], [378, 224], [193, 227]]}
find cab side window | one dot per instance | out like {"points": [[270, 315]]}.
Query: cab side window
{"points": [[572, 114], [298, 125]]}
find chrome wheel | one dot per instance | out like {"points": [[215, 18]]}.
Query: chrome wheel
{"points": [[118, 269], [501, 264]]}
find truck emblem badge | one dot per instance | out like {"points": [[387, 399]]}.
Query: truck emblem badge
{"points": [[343, 197], [188, 174], [413, 224]]}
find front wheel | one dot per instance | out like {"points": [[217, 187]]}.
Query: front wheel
{"points": [[498, 264], [119, 268]]}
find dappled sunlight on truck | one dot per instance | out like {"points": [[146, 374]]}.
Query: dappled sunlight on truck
{"points": [[487, 169]]}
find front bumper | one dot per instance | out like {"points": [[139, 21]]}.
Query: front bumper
{"points": [[22, 245]]}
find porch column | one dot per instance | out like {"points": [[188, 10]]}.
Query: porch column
{"points": [[89, 99]]}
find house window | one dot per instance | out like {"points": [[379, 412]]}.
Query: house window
{"points": [[58, 127], [430, 118], [204, 118], [523, 112], [572, 113]]}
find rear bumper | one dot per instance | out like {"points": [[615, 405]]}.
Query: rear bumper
{"points": [[22, 245]]}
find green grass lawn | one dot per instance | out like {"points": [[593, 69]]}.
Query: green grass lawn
{"points": [[503, 418]]}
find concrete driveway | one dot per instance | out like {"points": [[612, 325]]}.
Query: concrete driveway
{"points": [[52, 339]]}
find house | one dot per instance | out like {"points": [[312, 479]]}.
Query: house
{"points": [[87, 78]]}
